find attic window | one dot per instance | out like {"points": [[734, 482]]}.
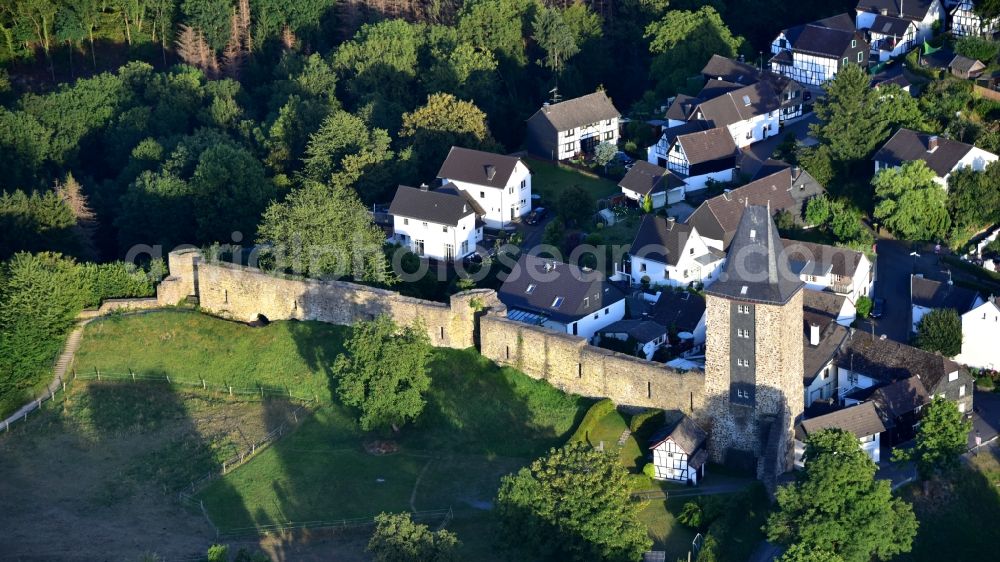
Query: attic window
{"points": [[557, 302], [530, 289], [586, 302], [746, 101], [743, 290]]}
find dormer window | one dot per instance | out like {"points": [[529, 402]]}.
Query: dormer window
{"points": [[530, 289], [854, 43], [586, 302], [557, 302]]}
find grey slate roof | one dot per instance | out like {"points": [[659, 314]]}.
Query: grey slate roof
{"points": [[861, 420], [722, 68], [829, 37], [430, 206], [680, 108], [887, 360], [822, 304], [900, 397], [582, 292], [718, 217], [478, 167], [738, 105], [660, 240], [452, 189], [694, 126], [890, 25], [645, 178], [937, 294], [839, 261], [715, 88], [907, 145], [642, 331], [577, 112], [831, 337], [685, 433], [707, 146], [965, 64], [681, 310], [914, 10], [757, 268]]}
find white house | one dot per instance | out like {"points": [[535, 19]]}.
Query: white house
{"points": [[813, 53], [647, 335], [981, 336], [569, 128], [703, 156], [942, 155], [891, 37], [750, 113], [923, 13], [500, 185], [840, 270], [789, 92], [561, 296], [927, 295], [965, 21], [435, 224], [861, 420], [679, 452], [668, 253], [865, 361]]}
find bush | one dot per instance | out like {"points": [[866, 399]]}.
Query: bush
{"points": [[977, 48], [646, 421], [218, 553], [117, 280], [864, 306], [594, 415], [649, 470]]}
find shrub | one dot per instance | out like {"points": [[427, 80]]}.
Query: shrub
{"points": [[977, 48], [218, 553], [691, 515], [646, 421], [985, 383], [864, 306], [649, 470], [594, 415]]}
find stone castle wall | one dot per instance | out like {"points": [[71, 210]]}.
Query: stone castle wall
{"points": [[569, 363], [242, 293], [471, 318]]}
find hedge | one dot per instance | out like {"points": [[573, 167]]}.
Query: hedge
{"points": [[594, 415], [644, 421]]}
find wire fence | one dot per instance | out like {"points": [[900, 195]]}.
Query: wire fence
{"points": [[259, 392], [441, 516]]}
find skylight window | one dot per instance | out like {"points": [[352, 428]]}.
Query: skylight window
{"points": [[743, 290], [530, 289], [753, 234], [746, 101], [557, 302]]}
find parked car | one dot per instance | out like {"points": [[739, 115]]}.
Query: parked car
{"points": [[878, 308], [536, 216], [625, 159]]}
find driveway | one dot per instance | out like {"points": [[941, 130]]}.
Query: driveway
{"points": [[985, 417], [762, 150]]}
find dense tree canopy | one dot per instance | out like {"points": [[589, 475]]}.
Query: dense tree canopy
{"points": [[838, 506], [572, 504], [398, 539], [911, 203], [940, 330], [383, 373], [682, 41]]}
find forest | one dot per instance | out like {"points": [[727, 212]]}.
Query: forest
{"points": [[146, 124]]}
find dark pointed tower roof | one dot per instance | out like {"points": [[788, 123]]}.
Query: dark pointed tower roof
{"points": [[756, 264]]}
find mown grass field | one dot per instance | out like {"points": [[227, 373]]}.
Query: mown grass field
{"points": [[191, 346], [94, 474]]}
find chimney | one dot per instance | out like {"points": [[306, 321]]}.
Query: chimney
{"points": [[884, 11], [671, 220], [796, 172], [900, 8], [423, 187], [490, 172], [813, 335], [932, 143]]}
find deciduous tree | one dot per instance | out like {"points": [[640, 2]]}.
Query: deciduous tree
{"points": [[942, 437], [681, 41], [554, 37], [839, 507], [398, 539], [911, 203], [445, 121], [383, 373], [572, 504]]}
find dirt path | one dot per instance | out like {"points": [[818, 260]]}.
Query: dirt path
{"points": [[61, 367]]}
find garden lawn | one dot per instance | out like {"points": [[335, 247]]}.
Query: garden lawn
{"points": [[187, 345], [548, 180], [960, 524]]}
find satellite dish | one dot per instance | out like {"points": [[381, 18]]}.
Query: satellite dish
{"points": [[686, 335]]}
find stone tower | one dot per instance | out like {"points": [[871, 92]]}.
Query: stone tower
{"points": [[753, 358]]}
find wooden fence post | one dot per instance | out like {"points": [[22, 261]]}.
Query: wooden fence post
{"points": [[98, 373], [203, 387], [230, 390]]}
